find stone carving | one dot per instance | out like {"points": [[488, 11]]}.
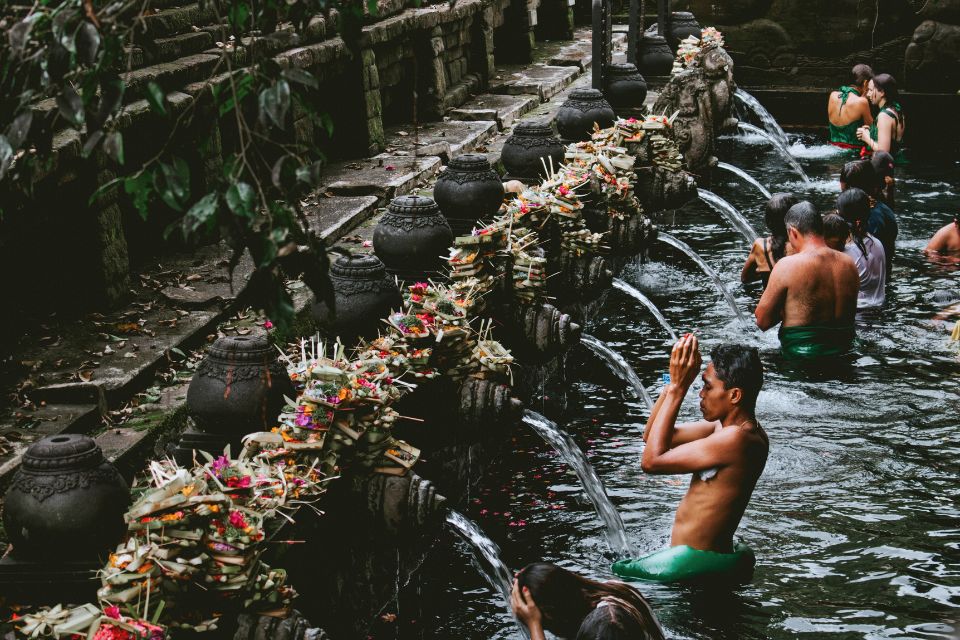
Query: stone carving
{"points": [[932, 58], [468, 191], [403, 503], [411, 238], [717, 68], [532, 144], [363, 294], [251, 626]]}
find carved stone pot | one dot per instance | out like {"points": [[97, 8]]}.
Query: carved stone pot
{"points": [[63, 513], [584, 108], [546, 329], [626, 89], [412, 238], [363, 295], [682, 25], [468, 191], [654, 57], [237, 389], [523, 150]]}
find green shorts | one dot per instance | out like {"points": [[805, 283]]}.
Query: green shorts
{"points": [[683, 563], [816, 341]]}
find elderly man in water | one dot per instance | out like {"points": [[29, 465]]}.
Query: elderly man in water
{"points": [[812, 293], [725, 453]]}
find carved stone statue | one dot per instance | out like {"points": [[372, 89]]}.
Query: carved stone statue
{"points": [[717, 66]]}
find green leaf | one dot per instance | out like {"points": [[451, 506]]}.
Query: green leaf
{"points": [[241, 199], [284, 174], [19, 34], [172, 182], [294, 74], [274, 103], [91, 144], [202, 214], [372, 7], [88, 42], [6, 156], [19, 129], [70, 105], [140, 189], [113, 146], [237, 15], [310, 174], [241, 87], [327, 121], [156, 98]]}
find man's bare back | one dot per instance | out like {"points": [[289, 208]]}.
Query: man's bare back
{"points": [[817, 286], [946, 240]]}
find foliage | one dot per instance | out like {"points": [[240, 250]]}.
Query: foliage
{"points": [[63, 66]]}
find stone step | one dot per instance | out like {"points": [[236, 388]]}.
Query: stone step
{"points": [[335, 217], [501, 108], [384, 176], [544, 81], [578, 55], [442, 139]]}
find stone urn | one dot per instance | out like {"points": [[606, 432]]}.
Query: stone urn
{"points": [[581, 111], [654, 57], [626, 89], [238, 388], [66, 502], [530, 142], [468, 191], [413, 238], [682, 25], [363, 295]]}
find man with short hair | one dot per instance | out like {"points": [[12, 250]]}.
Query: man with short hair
{"points": [[848, 109], [812, 293], [946, 241], [725, 452]]}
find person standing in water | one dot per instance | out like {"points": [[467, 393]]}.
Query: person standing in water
{"points": [[946, 241], [812, 293], [848, 109], [866, 251], [882, 223], [766, 251], [725, 453], [886, 132]]}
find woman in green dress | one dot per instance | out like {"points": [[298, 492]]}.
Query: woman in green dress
{"points": [[886, 132], [848, 109]]}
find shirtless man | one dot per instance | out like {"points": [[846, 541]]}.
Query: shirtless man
{"points": [[725, 452], [946, 241], [813, 292], [848, 109]]}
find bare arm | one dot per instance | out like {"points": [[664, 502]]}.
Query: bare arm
{"points": [[886, 126], [749, 271], [682, 433], [770, 308], [865, 114]]}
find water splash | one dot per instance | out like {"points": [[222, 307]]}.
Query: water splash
{"points": [[817, 151], [779, 146], [564, 445], [637, 295], [685, 248], [770, 124], [747, 177], [730, 212], [618, 365], [486, 559]]}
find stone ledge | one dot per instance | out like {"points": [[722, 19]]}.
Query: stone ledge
{"points": [[501, 108], [442, 139], [384, 176], [337, 216], [544, 81]]}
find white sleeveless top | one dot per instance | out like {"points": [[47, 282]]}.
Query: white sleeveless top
{"points": [[871, 268]]}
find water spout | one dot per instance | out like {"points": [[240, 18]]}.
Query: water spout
{"points": [[747, 177], [730, 212], [618, 365], [769, 123], [779, 146], [685, 248], [637, 295], [573, 456], [486, 559]]}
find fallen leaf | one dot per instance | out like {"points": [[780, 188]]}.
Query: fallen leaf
{"points": [[244, 331], [107, 349], [129, 354], [402, 133], [193, 276], [389, 167], [85, 375]]}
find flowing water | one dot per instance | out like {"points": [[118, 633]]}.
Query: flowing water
{"points": [[855, 521], [592, 485], [730, 212], [779, 146], [637, 295], [770, 124], [619, 366], [666, 238], [747, 177]]}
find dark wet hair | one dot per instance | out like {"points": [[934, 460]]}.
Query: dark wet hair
{"points": [[776, 209], [566, 599], [739, 366], [882, 163], [886, 83], [612, 622], [854, 206], [835, 226], [804, 218], [860, 174], [860, 74]]}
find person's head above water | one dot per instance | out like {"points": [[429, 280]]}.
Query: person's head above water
{"points": [[882, 90], [611, 622], [860, 76], [802, 221], [731, 381], [854, 207], [859, 174], [882, 163], [776, 208], [566, 599], [835, 231]]}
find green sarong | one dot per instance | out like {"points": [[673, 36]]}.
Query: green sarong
{"points": [[683, 563], [816, 341], [846, 136]]}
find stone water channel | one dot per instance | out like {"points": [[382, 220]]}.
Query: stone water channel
{"points": [[855, 519]]}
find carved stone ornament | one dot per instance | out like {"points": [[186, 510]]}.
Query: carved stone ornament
{"points": [[412, 237], [582, 110], [468, 191], [532, 145], [363, 294]]}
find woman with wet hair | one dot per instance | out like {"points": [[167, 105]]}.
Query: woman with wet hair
{"points": [[548, 597], [767, 251], [867, 252], [886, 132]]}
